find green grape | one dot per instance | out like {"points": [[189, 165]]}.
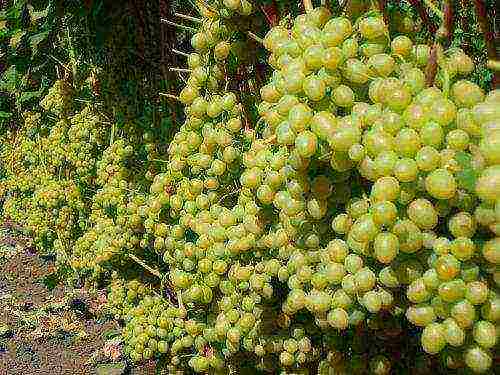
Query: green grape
{"points": [[489, 147], [401, 45], [372, 301], [422, 212], [314, 87], [427, 159], [385, 163], [386, 247], [421, 316], [336, 30], [306, 143], [332, 57], [415, 116], [432, 134], [464, 313], [341, 223], [364, 229], [433, 338], [455, 336], [343, 96], [338, 318], [488, 184], [491, 250], [431, 279], [365, 279], [462, 248], [384, 213], [349, 284], [441, 184], [462, 224], [417, 291], [385, 189], [478, 359], [388, 277], [372, 27], [341, 299], [451, 291], [382, 64], [485, 334], [476, 292]]}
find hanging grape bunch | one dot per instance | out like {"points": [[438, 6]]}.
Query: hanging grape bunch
{"points": [[348, 224]]}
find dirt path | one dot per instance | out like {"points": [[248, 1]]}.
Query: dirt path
{"points": [[52, 332]]}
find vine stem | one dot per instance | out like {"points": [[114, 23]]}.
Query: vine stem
{"points": [[189, 18], [184, 27], [144, 265], [432, 65], [168, 96], [424, 15], [382, 6], [255, 37], [443, 35], [177, 52], [271, 13], [308, 6], [448, 19], [489, 36], [181, 70]]}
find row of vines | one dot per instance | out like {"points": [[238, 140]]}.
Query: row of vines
{"points": [[270, 187]]}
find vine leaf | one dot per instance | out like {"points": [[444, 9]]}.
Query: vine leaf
{"points": [[36, 39], [38, 15], [468, 176]]}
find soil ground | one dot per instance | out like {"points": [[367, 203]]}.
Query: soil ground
{"points": [[59, 331]]}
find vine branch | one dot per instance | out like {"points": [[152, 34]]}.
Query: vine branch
{"points": [[144, 265], [443, 37], [382, 5], [432, 65], [448, 23], [308, 6], [271, 13], [482, 17], [424, 15]]}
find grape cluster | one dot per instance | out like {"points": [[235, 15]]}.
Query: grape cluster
{"points": [[59, 99], [363, 206], [256, 257], [42, 187], [365, 109], [124, 295], [227, 8]]}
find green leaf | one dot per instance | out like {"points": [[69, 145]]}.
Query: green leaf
{"points": [[15, 11], [4, 330], [27, 96], [51, 280], [36, 39], [16, 38], [5, 114], [35, 16], [109, 334], [9, 79], [54, 279]]}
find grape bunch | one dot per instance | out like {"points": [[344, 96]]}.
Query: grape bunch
{"points": [[353, 229]]}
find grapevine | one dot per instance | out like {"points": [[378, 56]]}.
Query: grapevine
{"points": [[355, 219]]}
